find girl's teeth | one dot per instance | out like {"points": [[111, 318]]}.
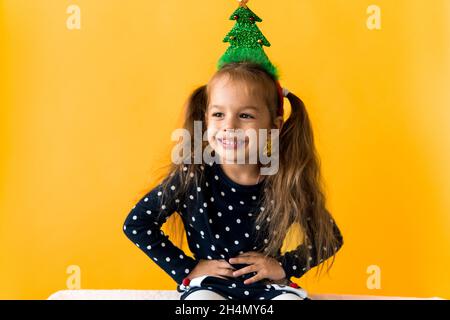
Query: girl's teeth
{"points": [[229, 142]]}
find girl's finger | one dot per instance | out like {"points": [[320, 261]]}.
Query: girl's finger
{"points": [[253, 279], [245, 270], [244, 259], [226, 272], [247, 254], [225, 265]]}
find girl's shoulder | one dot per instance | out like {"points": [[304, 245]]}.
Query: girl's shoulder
{"points": [[188, 177]]}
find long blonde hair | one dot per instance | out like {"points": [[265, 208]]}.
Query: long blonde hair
{"points": [[293, 197]]}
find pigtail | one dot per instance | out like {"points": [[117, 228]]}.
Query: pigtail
{"points": [[195, 107], [295, 196], [185, 175]]}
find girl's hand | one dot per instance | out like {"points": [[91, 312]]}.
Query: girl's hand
{"points": [[265, 267], [217, 268]]}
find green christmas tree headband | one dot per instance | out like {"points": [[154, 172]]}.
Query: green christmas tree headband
{"points": [[246, 44]]}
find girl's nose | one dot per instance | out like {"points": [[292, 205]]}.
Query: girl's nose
{"points": [[230, 125], [229, 130]]}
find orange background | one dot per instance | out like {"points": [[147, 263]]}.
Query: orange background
{"points": [[85, 116]]}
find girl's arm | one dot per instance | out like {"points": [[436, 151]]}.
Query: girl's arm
{"points": [[143, 227], [294, 262]]}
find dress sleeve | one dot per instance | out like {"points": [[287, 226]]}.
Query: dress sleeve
{"points": [[143, 227], [294, 262]]}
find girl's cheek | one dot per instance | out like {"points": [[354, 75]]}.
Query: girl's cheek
{"points": [[212, 140], [210, 133]]}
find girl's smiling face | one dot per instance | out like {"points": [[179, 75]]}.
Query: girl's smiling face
{"points": [[235, 105]]}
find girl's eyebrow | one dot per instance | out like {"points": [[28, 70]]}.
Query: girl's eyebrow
{"points": [[243, 107], [250, 107]]}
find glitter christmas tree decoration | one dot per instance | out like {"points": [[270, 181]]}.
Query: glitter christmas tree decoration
{"points": [[247, 41]]}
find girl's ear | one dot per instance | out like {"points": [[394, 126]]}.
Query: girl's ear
{"points": [[278, 122]]}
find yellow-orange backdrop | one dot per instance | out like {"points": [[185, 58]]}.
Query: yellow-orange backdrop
{"points": [[86, 114]]}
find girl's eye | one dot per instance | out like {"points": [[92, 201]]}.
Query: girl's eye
{"points": [[247, 116], [217, 114]]}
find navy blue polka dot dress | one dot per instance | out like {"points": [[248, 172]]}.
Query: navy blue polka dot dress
{"points": [[218, 216]]}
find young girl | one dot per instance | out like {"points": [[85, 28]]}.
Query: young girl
{"points": [[237, 219]]}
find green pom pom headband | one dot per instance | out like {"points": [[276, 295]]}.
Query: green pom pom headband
{"points": [[246, 44]]}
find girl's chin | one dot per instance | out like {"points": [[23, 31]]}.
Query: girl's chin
{"points": [[233, 155]]}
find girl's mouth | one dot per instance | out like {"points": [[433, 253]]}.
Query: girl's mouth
{"points": [[228, 143]]}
